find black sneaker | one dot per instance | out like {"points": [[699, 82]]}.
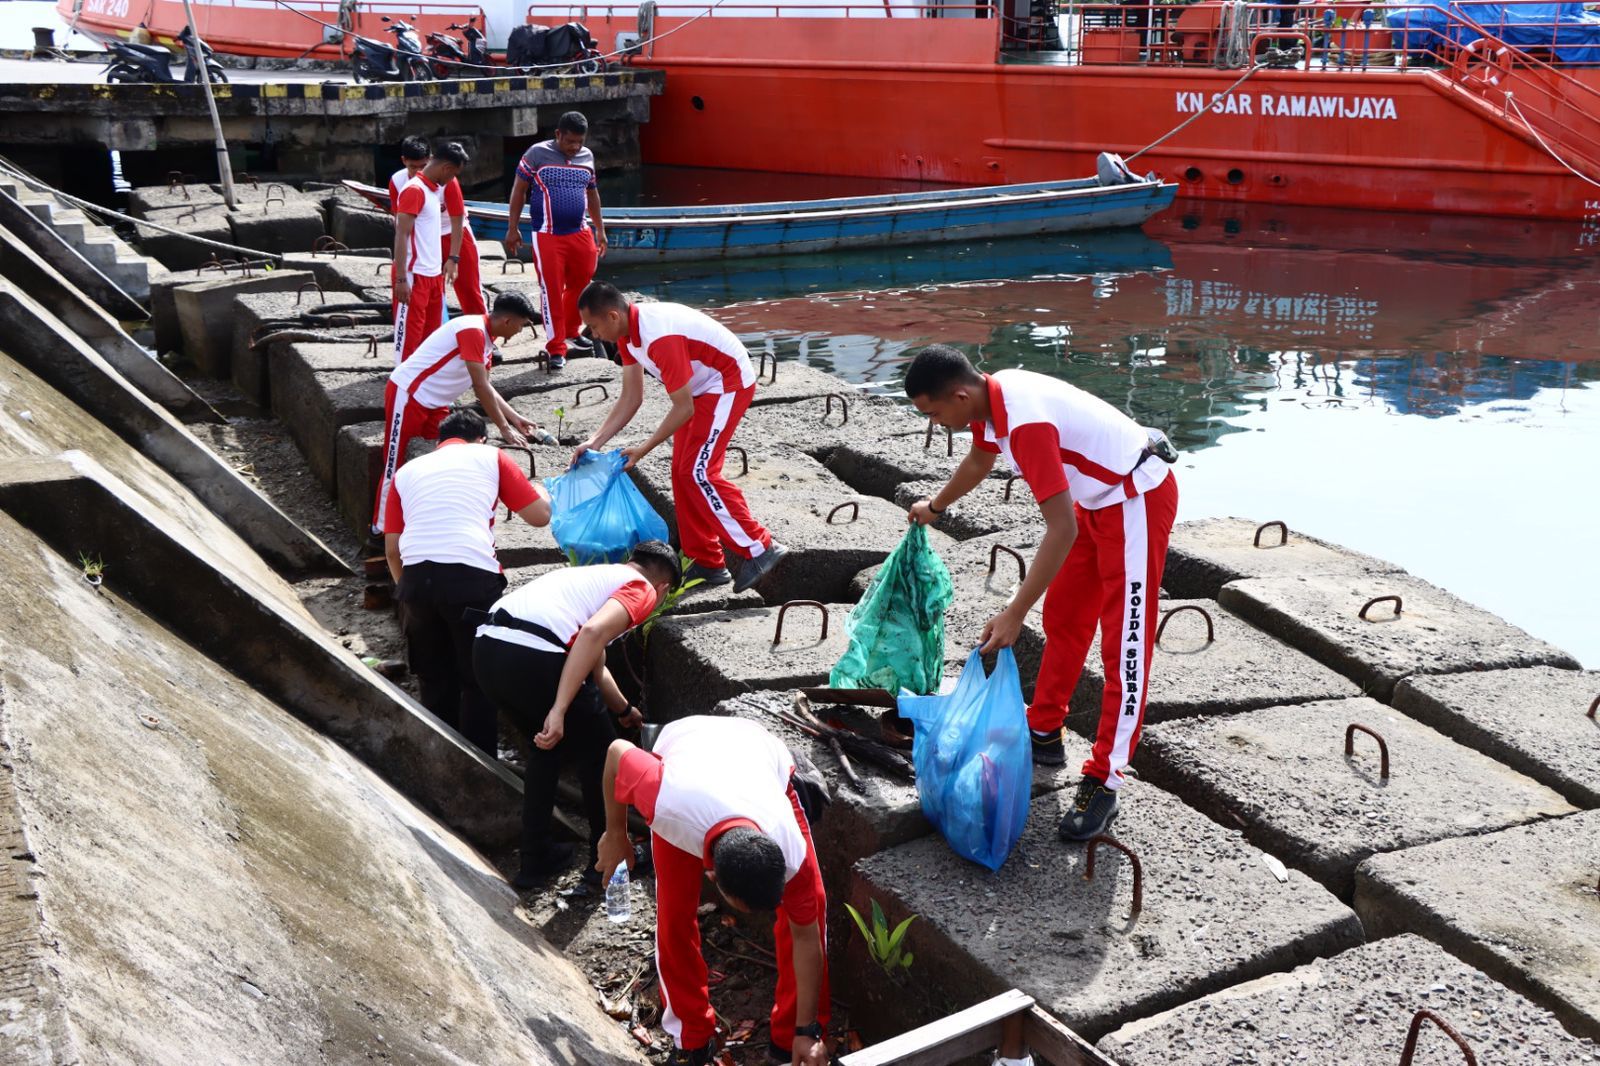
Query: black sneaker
{"points": [[708, 576], [550, 861], [580, 346], [556, 362], [1093, 810], [753, 571], [1048, 748]]}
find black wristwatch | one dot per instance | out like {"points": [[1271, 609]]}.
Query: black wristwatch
{"points": [[935, 510], [812, 1031]]}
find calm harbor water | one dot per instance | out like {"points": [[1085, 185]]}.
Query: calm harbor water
{"points": [[1423, 389]]}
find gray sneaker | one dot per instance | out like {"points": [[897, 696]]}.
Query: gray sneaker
{"points": [[708, 576], [1093, 810], [753, 571], [1048, 749]]}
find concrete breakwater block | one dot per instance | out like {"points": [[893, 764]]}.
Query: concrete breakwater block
{"points": [[879, 468], [989, 508], [980, 594], [583, 393], [206, 316], [141, 202], [1360, 1002], [1239, 669], [359, 226], [345, 271], [792, 382], [1520, 905], [1204, 555], [694, 662], [1533, 720], [278, 227], [818, 426], [1282, 774], [178, 252], [249, 364], [1433, 632], [315, 405], [1213, 915]]}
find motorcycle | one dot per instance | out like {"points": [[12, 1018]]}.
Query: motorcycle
{"points": [[149, 64], [546, 49], [449, 61], [375, 61]]}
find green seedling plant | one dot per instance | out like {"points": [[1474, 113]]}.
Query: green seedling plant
{"points": [[670, 600], [886, 946], [93, 567], [561, 418]]}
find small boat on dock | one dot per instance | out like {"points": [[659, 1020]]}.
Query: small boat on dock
{"points": [[1114, 199]]}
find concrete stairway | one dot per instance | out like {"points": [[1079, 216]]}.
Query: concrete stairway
{"points": [[98, 244]]}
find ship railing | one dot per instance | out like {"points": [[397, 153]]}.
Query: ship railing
{"points": [[880, 9]]}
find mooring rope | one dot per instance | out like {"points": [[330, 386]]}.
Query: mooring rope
{"points": [[1543, 144], [1204, 110]]}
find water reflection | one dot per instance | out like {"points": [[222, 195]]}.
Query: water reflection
{"points": [[1361, 376]]}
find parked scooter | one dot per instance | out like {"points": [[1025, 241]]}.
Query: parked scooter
{"points": [[150, 64], [374, 61], [449, 61]]}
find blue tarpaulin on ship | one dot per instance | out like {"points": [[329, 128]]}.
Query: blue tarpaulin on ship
{"points": [[1566, 31]]}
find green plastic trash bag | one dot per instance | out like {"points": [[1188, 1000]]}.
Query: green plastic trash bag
{"points": [[897, 630]]}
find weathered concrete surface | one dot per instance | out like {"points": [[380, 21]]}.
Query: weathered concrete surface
{"points": [[220, 884], [983, 511], [23, 228], [205, 314], [76, 397], [1361, 1003], [809, 425], [209, 222], [273, 227], [315, 405], [1206, 554], [879, 469], [49, 288], [1532, 720], [792, 495], [979, 595], [346, 271], [1213, 915], [695, 662], [164, 306], [537, 394], [142, 201], [1520, 905], [1436, 633], [1241, 670], [794, 382], [1281, 774], [250, 364], [360, 227]]}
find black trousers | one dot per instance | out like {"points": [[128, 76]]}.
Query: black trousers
{"points": [[521, 682], [432, 598]]}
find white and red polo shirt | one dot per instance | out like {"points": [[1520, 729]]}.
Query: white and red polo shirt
{"points": [[442, 504], [425, 200], [455, 204], [709, 774], [1058, 437], [563, 600], [680, 346], [437, 371]]}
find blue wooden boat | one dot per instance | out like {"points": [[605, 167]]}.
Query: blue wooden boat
{"points": [[675, 234]]}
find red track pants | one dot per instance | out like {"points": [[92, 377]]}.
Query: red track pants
{"points": [[1112, 577], [565, 262], [416, 318], [403, 420], [712, 513], [685, 995], [469, 282]]}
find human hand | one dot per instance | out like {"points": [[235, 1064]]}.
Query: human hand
{"points": [[1001, 631], [600, 244], [554, 729], [808, 1052], [524, 425], [451, 266], [511, 433], [402, 289], [613, 850], [632, 718], [512, 241], [577, 453], [921, 513], [634, 455]]}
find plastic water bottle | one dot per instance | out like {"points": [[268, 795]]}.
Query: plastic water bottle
{"points": [[619, 907]]}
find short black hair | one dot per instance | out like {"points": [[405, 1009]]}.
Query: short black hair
{"points": [[514, 303], [465, 423], [600, 296], [572, 122], [414, 148], [937, 369], [451, 152], [749, 868], [658, 554]]}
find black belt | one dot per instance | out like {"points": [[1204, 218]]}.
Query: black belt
{"points": [[506, 620]]}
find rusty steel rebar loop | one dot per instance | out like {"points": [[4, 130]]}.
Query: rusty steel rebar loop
{"points": [[505, 265], [577, 397], [994, 559], [744, 458], [1211, 629], [1133, 861], [1426, 1015], [855, 512], [1374, 602], [301, 291], [949, 439], [777, 630], [761, 368], [844, 406], [1383, 746], [1005, 496], [1283, 533], [1594, 706]]}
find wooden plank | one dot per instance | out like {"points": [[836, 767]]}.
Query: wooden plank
{"points": [[947, 1040], [1057, 1045]]}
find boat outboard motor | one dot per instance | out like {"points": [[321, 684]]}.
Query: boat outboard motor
{"points": [[1111, 170]]}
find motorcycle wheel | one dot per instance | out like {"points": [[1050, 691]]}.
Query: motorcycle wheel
{"points": [[420, 70], [124, 74], [355, 73], [218, 75]]}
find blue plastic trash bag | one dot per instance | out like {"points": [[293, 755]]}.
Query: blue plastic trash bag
{"points": [[974, 760], [598, 514]]}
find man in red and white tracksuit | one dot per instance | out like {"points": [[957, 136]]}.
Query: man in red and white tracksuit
{"points": [[468, 285], [557, 179], [424, 259], [711, 381], [455, 358], [439, 542], [1108, 504], [719, 796]]}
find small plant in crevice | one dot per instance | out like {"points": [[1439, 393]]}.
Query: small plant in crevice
{"points": [[93, 568], [886, 946], [561, 419], [670, 600]]}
